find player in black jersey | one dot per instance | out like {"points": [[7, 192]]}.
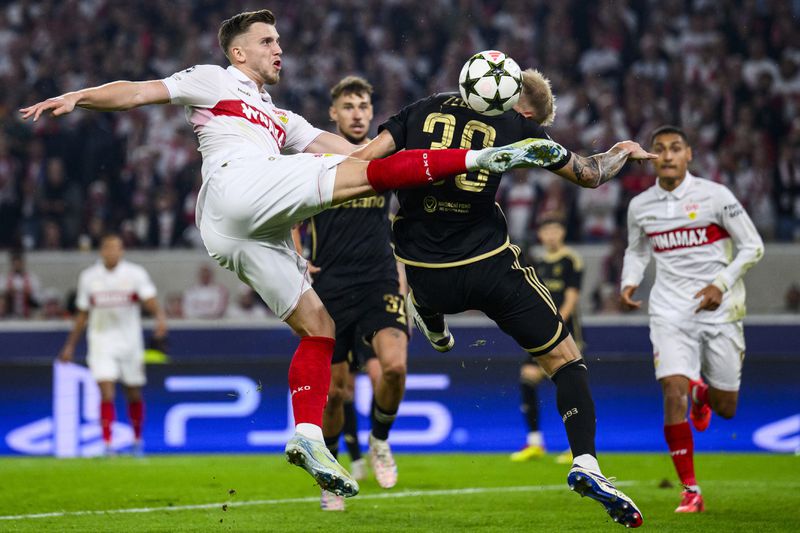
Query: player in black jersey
{"points": [[561, 270], [356, 276], [454, 242]]}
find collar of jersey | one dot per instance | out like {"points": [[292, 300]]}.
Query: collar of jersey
{"points": [[242, 77], [679, 192]]}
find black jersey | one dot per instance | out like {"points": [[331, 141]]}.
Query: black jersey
{"points": [[351, 245], [454, 221], [560, 271]]}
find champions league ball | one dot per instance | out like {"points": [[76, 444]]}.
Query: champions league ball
{"points": [[490, 82]]}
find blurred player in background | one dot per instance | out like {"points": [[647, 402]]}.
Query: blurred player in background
{"points": [[21, 289], [356, 277], [110, 295], [253, 194], [698, 300], [453, 239], [561, 271]]}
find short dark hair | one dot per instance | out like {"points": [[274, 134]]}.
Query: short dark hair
{"points": [[351, 85], [239, 24], [661, 130], [551, 218]]}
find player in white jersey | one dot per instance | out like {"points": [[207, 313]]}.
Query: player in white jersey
{"points": [[110, 294], [697, 302], [253, 193]]}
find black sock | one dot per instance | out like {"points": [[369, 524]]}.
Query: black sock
{"points": [[575, 404], [332, 443], [351, 431], [433, 321], [381, 421], [530, 405]]}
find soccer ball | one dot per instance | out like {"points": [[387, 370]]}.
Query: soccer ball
{"points": [[490, 82]]}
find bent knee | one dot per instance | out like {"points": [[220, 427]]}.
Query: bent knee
{"points": [[531, 374]]}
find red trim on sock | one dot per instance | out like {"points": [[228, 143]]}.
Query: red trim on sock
{"points": [[107, 416], [415, 168], [681, 448], [310, 378], [136, 416]]}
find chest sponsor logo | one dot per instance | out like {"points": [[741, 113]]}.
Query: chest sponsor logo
{"points": [[686, 237], [240, 109], [113, 298]]}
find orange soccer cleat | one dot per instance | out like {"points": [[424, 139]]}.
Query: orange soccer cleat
{"points": [[700, 413], [691, 502]]}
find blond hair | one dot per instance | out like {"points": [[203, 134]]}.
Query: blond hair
{"points": [[538, 96]]}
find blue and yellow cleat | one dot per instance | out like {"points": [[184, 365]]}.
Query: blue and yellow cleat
{"points": [[617, 504], [313, 457]]}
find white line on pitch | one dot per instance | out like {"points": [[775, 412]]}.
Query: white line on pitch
{"points": [[379, 496]]}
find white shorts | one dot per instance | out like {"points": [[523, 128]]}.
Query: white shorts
{"points": [[249, 208], [692, 348], [129, 370]]}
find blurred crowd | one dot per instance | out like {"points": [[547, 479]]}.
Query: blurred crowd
{"points": [[23, 297], [727, 71]]}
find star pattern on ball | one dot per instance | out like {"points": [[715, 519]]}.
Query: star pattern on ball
{"points": [[497, 102], [469, 84]]}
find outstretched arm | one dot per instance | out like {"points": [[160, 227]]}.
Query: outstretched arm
{"points": [[114, 96], [595, 170]]}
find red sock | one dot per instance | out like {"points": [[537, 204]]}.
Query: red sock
{"points": [[136, 415], [310, 378], [681, 448], [106, 419], [415, 168]]}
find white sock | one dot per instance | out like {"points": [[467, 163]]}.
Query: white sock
{"points": [[587, 462], [472, 160], [535, 438], [310, 431], [693, 488]]}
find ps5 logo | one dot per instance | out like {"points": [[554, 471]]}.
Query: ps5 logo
{"points": [[248, 399]]}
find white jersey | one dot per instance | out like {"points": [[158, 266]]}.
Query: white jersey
{"points": [[112, 299], [692, 231], [233, 120]]}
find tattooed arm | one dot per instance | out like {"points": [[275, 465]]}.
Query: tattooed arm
{"points": [[595, 170]]}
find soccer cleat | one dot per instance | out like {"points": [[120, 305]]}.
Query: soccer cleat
{"points": [[441, 341], [358, 469], [312, 456], [523, 154], [527, 453], [331, 502], [691, 502], [380, 455], [595, 486], [700, 413]]}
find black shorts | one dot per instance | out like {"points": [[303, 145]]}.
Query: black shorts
{"points": [[361, 313], [503, 287]]}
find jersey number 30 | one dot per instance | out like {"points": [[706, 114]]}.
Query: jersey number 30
{"points": [[448, 123]]}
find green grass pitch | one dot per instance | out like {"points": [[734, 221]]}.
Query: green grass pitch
{"points": [[442, 492]]}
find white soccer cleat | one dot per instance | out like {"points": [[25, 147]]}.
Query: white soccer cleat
{"points": [[312, 456], [331, 502], [383, 464], [593, 485], [358, 469], [441, 341], [523, 154]]}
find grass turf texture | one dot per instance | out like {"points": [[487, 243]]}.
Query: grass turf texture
{"points": [[742, 492]]}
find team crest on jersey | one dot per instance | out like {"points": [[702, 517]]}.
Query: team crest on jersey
{"points": [[429, 204], [691, 210], [282, 116]]}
